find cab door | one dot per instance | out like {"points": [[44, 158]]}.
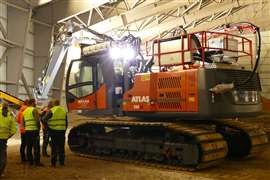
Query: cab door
{"points": [[81, 85]]}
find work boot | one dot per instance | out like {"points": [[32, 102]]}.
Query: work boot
{"points": [[39, 164], [62, 164], [23, 160], [45, 155]]}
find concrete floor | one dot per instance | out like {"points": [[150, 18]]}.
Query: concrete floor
{"points": [[82, 168]]}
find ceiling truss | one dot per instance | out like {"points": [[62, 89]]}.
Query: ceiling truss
{"points": [[154, 18], [158, 18]]}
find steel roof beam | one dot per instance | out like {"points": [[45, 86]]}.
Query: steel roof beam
{"points": [[89, 17], [9, 44], [196, 15], [259, 19], [99, 13], [137, 3], [127, 5], [14, 5], [64, 10], [3, 30], [3, 57], [136, 14]]}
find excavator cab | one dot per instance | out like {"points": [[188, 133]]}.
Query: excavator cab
{"points": [[94, 85]]}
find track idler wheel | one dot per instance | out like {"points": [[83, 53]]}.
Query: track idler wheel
{"points": [[239, 144]]}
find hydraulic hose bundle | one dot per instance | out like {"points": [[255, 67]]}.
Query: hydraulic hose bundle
{"points": [[258, 49]]}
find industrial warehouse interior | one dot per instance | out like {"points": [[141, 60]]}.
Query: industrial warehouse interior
{"points": [[135, 89]]}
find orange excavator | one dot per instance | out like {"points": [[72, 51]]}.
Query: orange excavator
{"points": [[179, 109], [177, 106]]}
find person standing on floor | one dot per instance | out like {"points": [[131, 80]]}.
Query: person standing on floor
{"points": [[32, 127], [57, 123], [22, 130], [45, 129], [7, 129]]}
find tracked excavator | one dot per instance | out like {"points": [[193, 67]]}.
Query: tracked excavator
{"points": [[176, 107]]}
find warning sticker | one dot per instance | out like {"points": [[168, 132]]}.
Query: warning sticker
{"points": [[145, 77], [191, 99]]}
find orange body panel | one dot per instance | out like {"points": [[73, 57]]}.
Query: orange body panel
{"points": [[86, 102], [94, 101], [139, 98], [101, 97], [164, 92]]}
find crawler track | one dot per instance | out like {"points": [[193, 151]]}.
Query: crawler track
{"points": [[160, 145], [244, 139]]}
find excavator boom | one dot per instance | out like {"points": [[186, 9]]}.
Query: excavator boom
{"points": [[46, 81]]}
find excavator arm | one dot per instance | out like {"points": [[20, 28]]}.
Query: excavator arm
{"points": [[46, 81]]}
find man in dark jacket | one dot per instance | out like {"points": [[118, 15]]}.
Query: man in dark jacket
{"points": [[56, 119], [45, 129]]}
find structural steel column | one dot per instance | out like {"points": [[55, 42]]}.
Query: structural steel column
{"points": [[17, 28]]}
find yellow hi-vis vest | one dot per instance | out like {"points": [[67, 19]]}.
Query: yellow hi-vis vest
{"points": [[7, 126], [30, 123], [58, 119]]}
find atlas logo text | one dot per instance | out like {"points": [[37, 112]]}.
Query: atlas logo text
{"points": [[140, 99]]}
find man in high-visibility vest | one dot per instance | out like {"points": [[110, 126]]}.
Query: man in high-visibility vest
{"points": [[57, 123], [32, 127], [45, 129], [7, 129], [22, 130]]}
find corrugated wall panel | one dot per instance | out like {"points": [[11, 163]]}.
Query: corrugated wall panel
{"points": [[3, 76], [28, 74], [3, 20], [28, 61], [30, 40], [264, 68]]}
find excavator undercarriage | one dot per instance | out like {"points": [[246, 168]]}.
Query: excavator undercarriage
{"points": [[181, 146]]}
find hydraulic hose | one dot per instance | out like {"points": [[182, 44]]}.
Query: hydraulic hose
{"points": [[258, 51]]}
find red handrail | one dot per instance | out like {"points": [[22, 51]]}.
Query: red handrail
{"points": [[204, 37]]}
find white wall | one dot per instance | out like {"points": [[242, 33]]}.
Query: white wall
{"points": [[3, 20], [28, 64], [264, 68]]}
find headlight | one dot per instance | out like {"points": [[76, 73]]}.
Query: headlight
{"points": [[115, 53], [124, 52], [245, 97]]}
